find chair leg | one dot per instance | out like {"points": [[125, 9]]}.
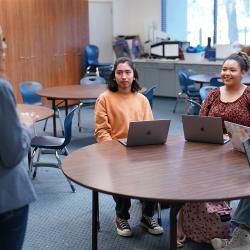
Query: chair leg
{"points": [[175, 106], [45, 125], [60, 167], [186, 106], [79, 117], [37, 160], [31, 158], [177, 100], [60, 120]]}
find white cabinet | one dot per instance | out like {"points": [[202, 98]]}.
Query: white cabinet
{"points": [[167, 82], [148, 73], [164, 73], [158, 73]]}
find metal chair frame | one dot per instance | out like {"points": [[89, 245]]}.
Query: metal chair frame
{"points": [[188, 88], [55, 144]]}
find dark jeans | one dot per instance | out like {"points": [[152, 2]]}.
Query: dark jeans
{"points": [[123, 205], [12, 228]]}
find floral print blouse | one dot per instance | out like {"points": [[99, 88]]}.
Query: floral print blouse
{"points": [[236, 112]]}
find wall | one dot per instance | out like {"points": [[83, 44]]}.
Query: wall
{"points": [[129, 17], [45, 40], [101, 28], [132, 17]]}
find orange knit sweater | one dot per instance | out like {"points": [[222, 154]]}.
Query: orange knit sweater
{"points": [[114, 111]]}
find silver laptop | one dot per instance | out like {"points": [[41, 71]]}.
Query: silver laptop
{"points": [[238, 134], [146, 133], [204, 129], [246, 145]]}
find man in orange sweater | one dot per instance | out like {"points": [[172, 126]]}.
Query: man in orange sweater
{"points": [[115, 108]]}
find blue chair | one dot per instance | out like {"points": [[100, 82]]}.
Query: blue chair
{"points": [[187, 86], [92, 66], [216, 81], [194, 107], [150, 94], [204, 92], [28, 91], [88, 102], [56, 144]]}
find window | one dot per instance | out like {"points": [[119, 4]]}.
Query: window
{"points": [[233, 21], [199, 21], [226, 21]]}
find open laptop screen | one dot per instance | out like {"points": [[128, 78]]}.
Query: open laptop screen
{"points": [[147, 133]]}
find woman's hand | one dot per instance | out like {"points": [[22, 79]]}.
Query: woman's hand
{"points": [[28, 118]]}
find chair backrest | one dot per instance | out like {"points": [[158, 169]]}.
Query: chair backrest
{"points": [[150, 94], [216, 81], [204, 91], [91, 54], [68, 127], [184, 80], [92, 79], [28, 91]]}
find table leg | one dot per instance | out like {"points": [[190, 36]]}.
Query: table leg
{"points": [[94, 219], [174, 209], [54, 116]]}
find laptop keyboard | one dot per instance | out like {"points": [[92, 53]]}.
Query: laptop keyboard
{"points": [[226, 138]]}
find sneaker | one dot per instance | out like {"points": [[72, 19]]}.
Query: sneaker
{"points": [[123, 228], [218, 243], [151, 225], [240, 241]]}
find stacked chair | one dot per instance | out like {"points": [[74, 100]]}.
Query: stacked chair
{"points": [[91, 63]]}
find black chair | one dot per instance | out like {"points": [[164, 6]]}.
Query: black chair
{"points": [[56, 144], [150, 94], [188, 88], [92, 65]]}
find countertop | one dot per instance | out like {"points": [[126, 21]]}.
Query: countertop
{"points": [[178, 61]]}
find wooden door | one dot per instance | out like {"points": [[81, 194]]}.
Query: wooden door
{"points": [[45, 40]]}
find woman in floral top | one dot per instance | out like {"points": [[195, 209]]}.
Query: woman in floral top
{"points": [[231, 102]]}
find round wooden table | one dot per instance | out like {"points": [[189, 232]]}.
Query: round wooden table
{"points": [[205, 78], [40, 112], [176, 172], [71, 92]]}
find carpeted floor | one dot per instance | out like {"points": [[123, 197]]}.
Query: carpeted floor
{"points": [[60, 219]]}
